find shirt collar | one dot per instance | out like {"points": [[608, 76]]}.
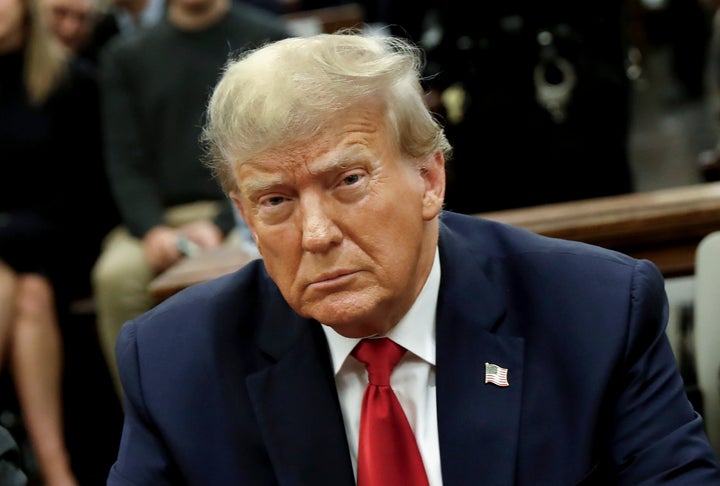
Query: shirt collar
{"points": [[153, 12], [415, 331]]}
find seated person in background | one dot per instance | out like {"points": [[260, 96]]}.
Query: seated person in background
{"points": [[84, 28], [121, 17], [155, 86], [49, 113], [72, 21], [523, 359]]}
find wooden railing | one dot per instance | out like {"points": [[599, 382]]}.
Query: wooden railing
{"points": [[663, 226]]}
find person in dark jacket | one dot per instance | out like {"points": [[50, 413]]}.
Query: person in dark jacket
{"points": [[155, 84], [519, 359]]}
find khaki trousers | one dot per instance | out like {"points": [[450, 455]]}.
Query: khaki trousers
{"points": [[121, 277]]}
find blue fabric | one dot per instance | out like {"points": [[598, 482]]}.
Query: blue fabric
{"points": [[226, 385]]}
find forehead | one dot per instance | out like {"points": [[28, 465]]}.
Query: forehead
{"points": [[353, 136]]}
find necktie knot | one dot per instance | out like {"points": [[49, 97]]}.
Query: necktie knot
{"points": [[379, 357]]}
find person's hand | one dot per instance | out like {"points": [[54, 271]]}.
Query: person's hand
{"points": [[160, 247], [203, 233]]}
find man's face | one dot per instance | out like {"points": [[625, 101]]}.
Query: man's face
{"points": [[70, 20], [346, 228]]}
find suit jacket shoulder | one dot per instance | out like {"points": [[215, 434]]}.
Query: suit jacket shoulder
{"points": [[225, 384], [595, 395]]}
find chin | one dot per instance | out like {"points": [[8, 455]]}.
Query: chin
{"points": [[349, 317], [336, 317]]}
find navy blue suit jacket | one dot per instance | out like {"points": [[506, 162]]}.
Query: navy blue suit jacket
{"points": [[226, 385]]}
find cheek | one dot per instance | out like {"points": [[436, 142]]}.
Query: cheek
{"points": [[392, 240], [281, 251]]}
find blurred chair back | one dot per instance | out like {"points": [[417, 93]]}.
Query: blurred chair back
{"points": [[707, 331]]}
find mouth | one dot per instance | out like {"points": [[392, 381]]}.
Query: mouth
{"points": [[332, 279]]}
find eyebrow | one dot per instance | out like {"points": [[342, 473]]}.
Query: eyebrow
{"points": [[344, 158], [338, 162], [260, 184]]}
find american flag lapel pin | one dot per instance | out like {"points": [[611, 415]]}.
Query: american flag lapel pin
{"points": [[496, 374]]}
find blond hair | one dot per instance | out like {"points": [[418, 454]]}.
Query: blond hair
{"points": [[45, 59], [290, 89]]}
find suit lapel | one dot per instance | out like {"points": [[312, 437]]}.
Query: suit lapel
{"points": [[297, 409], [478, 422], [296, 404]]}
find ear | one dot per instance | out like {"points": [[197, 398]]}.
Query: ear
{"points": [[433, 174], [237, 200]]}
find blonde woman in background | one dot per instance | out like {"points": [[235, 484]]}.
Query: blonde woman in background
{"points": [[46, 105]]}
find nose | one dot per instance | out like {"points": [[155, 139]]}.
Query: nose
{"points": [[320, 231]]}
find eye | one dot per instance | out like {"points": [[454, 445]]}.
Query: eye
{"points": [[275, 201], [274, 208], [351, 179], [272, 201], [351, 186]]}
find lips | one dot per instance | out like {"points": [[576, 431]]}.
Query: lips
{"points": [[332, 275], [335, 277]]}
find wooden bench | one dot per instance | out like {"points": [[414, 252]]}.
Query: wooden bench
{"points": [[663, 226]]}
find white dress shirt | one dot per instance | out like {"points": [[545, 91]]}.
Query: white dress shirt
{"points": [[413, 379]]}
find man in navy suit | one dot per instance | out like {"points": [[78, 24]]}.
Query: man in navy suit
{"points": [[530, 360]]}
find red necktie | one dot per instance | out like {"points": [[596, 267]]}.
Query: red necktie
{"points": [[388, 453]]}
